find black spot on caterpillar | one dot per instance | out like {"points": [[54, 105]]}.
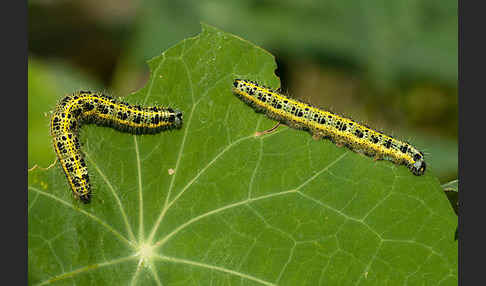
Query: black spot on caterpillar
{"points": [[325, 124], [85, 107]]}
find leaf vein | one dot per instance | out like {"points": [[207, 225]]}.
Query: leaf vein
{"points": [[91, 216], [110, 186], [84, 269], [213, 267], [199, 217], [140, 192]]}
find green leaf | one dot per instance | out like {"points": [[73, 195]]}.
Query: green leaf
{"points": [[275, 209]]}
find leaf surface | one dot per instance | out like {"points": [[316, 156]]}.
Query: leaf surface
{"points": [[213, 204]]}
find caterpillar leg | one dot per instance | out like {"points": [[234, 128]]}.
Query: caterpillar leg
{"points": [[316, 134], [260, 133]]}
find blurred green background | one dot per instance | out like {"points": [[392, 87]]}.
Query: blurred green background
{"points": [[389, 64]]}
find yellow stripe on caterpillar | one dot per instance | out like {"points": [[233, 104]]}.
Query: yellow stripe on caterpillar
{"points": [[87, 107], [325, 124]]}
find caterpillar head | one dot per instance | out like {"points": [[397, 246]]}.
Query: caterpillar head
{"points": [[418, 168], [83, 192], [85, 197], [176, 118]]}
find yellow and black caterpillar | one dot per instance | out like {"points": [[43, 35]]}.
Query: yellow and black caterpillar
{"points": [[85, 107], [325, 124]]}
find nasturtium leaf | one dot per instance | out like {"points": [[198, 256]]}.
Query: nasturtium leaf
{"points": [[212, 203]]}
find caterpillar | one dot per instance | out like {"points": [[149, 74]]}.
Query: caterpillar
{"points": [[325, 124], [85, 107]]}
